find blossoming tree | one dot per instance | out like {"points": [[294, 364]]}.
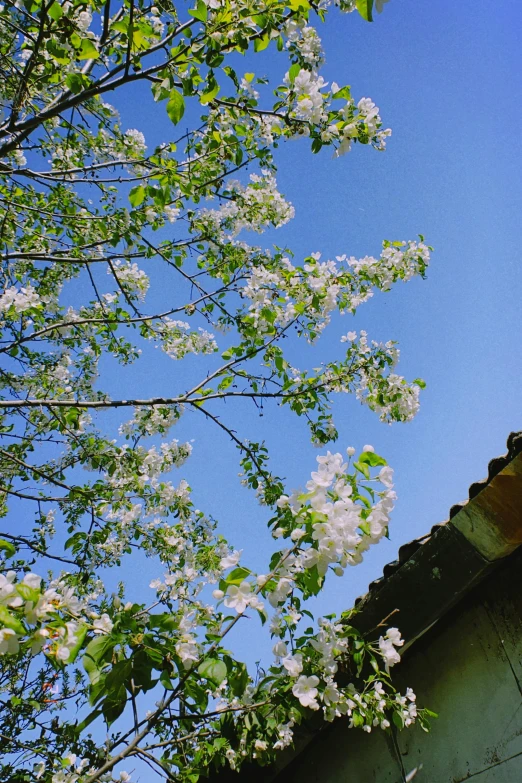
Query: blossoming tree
{"points": [[91, 219]]}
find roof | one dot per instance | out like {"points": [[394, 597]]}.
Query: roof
{"points": [[408, 550], [432, 574]]}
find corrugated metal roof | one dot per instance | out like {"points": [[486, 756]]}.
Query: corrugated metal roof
{"points": [[406, 551]]}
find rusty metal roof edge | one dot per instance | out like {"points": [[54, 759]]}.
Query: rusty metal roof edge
{"points": [[406, 551]]}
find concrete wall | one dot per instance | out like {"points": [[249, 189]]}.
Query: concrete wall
{"points": [[468, 669]]}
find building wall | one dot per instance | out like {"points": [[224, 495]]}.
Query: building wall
{"points": [[468, 669]]}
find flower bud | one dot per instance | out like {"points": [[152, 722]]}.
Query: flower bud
{"points": [[298, 533]]}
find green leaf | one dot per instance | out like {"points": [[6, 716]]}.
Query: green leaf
{"points": [[8, 620], [91, 667], [118, 675], [76, 542], [261, 43], [81, 633], [237, 575], [299, 5], [7, 547], [365, 8], [57, 52], [238, 680], [55, 11], [231, 74], [137, 195], [372, 459], [166, 621], [88, 51], [166, 681], [161, 90], [175, 106], [142, 671], [344, 92], [98, 651], [76, 82], [200, 12], [120, 27], [28, 593], [398, 721], [363, 468], [198, 693], [292, 73], [226, 382], [312, 581], [209, 95], [97, 687], [87, 721], [213, 669], [358, 719], [420, 383], [72, 417], [114, 704]]}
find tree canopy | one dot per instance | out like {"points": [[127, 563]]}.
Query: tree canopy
{"points": [[110, 249]]}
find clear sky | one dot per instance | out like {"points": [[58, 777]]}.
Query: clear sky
{"points": [[447, 78]]}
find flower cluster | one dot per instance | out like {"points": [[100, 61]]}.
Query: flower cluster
{"points": [[329, 526], [304, 42], [309, 100], [96, 200], [313, 669], [177, 340], [135, 143], [398, 260], [252, 207], [363, 124], [156, 462], [279, 292], [331, 517], [17, 301], [388, 647], [383, 391], [130, 278], [71, 769], [150, 421], [39, 618]]}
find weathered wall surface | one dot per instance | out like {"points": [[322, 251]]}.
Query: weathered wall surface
{"points": [[468, 668]]}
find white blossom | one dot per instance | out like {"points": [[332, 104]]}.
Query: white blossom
{"points": [[293, 664], [238, 597], [103, 624], [9, 643], [305, 689], [19, 300]]}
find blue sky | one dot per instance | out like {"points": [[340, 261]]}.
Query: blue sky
{"points": [[446, 77]]}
